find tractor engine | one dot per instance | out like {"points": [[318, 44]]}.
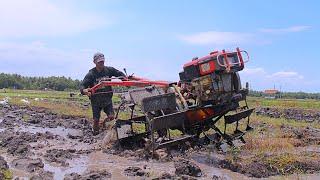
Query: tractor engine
{"points": [[214, 79]]}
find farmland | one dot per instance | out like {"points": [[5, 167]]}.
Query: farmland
{"points": [[48, 134]]}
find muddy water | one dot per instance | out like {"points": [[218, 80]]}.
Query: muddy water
{"points": [[1, 129], [75, 166], [208, 162], [59, 131], [117, 165]]}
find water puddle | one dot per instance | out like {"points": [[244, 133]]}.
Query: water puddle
{"points": [[61, 131], [78, 166], [116, 165], [1, 129], [207, 162]]}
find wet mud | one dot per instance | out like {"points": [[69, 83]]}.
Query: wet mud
{"points": [[304, 136], [184, 167], [38, 144], [260, 167], [97, 175], [290, 113], [135, 171]]}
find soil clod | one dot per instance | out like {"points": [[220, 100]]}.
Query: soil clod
{"points": [[185, 167]]}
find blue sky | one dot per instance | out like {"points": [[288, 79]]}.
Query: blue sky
{"points": [[153, 39]]}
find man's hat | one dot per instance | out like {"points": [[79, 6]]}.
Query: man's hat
{"points": [[98, 57]]}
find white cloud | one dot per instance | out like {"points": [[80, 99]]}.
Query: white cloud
{"points": [[260, 79], [217, 38], [43, 18], [236, 38], [253, 71], [286, 75], [36, 59], [286, 30]]}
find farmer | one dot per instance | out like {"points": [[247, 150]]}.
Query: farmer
{"points": [[102, 99]]}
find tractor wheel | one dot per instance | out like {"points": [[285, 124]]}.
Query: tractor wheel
{"points": [[236, 81]]}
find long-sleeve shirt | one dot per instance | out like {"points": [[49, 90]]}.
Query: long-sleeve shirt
{"points": [[93, 77]]}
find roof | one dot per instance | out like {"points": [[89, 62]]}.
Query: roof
{"points": [[271, 91]]}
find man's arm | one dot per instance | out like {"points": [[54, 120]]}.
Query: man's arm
{"points": [[117, 73], [87, 81]]}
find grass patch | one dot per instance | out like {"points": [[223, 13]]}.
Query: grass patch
{"points": [[261, 144], [284, 103], [32, 94], [281, 161], [55, 101], [278, 122], [25, 117], [138, 128], [7, 174], [71, 109]]}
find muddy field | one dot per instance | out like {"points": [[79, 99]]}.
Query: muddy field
{"points": [[38, 144], [290, 113]]}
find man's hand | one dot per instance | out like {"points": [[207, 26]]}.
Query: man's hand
{"points": [[87, 92], [130, 77]]}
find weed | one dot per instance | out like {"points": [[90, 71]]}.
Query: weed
{"points": [[233, 154], [25, 117], [7, 174]]}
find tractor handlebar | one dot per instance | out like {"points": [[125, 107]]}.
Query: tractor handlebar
{"points": [[128, 81]]}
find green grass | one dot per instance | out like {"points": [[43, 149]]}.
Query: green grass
{"points": [[278, 122], [55, 101], [284, 103], [58, 102], [31, 94], [7, 174]]}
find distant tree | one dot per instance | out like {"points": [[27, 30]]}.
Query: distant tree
{"points": [[290, 95], [21, 82]]}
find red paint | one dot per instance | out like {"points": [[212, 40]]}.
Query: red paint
{"points": [[226, 60], [240, 57], [207, 68], [139, 82], [191, 63]]}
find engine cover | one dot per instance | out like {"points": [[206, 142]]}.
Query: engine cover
{"points": [[214, 87]]}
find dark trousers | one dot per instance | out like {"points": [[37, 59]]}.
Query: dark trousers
{"points": [[96, 110]]}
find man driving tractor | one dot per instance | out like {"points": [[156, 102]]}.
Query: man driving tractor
{"points": [[102, 99]]}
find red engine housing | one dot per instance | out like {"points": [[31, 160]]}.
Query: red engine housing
{"points": [[214, 62]]}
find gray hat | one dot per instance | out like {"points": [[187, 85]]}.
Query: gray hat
{"points": [[98, 57]]}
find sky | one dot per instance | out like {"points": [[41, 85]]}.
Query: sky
{"points": [[153, 39]]}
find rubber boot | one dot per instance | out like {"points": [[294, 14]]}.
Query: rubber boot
{"points": [[95, 127]]}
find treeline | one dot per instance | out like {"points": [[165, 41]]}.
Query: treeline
{"points": [[289, 95], [16, 81]]}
